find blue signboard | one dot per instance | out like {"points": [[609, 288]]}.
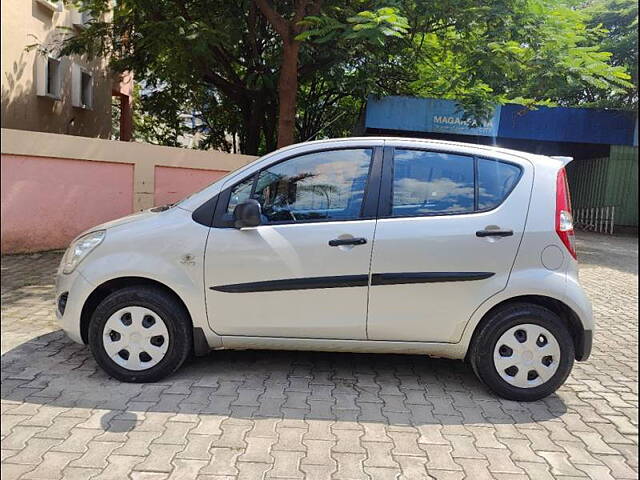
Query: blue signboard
{"points": [[425, 115], [552, 124], [446, 117], [563, 124], [396, 113]]}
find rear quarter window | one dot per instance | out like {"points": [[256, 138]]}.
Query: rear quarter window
{"points": [[495, 181]]}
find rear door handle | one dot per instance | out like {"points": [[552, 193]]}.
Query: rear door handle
{"points": [[494, 233], [337, 242]]}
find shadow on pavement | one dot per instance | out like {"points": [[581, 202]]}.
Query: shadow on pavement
{"points": [[389, 389]]}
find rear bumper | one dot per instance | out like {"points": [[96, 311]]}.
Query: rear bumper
{"points": [[583, 345]]}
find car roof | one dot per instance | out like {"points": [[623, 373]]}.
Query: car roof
{"points": [[486, 149], [523, 158]]}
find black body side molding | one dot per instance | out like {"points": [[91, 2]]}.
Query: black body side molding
{"points": [[427, 277], [296, 284], [343, 281]]}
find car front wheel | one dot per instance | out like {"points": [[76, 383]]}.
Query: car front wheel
{"points": [[140, 334], [523, 352]]}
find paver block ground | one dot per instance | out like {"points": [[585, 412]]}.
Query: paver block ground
{"points": [[259, 414]]}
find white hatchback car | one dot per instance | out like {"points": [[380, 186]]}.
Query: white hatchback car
{"points": [[362, 245]]}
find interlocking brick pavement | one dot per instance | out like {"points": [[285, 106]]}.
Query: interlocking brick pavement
{"points": [[253, 415]]}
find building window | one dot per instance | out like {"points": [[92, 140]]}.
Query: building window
{"points": [[53, 77], [49, 77], [81, 87], [86, 92]]}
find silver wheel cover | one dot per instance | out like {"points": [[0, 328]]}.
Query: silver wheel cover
{"points": [[136, 338], [526, 356]]}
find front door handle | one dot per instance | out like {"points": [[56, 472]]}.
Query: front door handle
{"points": [[494, 233], [337, 242]]}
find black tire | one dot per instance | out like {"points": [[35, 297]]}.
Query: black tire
{"points": [[172, 313], [485, 339]]}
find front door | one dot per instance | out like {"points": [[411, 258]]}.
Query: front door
{"points": [[303, 273], [448, 233]]}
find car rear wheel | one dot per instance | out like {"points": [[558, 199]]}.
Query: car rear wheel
{"points": [[140, 334], [523, 352]]}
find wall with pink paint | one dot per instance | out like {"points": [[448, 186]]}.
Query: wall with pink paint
{"points": [[175, 183], [46, 202], [55, 186]]}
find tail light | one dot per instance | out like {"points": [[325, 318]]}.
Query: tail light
{"points": [[564, 219]]}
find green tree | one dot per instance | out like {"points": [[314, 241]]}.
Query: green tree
{"points": [[215, 53], [533, 52], [267, 74], [618, 20], [200, 56], [536, 52]]}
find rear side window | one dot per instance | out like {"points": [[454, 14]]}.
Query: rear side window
{"points": [[495, 181], [430, 183], [436, 183]]}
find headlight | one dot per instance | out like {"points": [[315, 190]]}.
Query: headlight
{"points": [[80, 249]]}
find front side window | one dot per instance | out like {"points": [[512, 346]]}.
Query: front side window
{"points": [[325, 185], [427, 183], [240, 193]]}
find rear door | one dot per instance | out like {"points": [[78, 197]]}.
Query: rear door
{"points": [[448, 232]]}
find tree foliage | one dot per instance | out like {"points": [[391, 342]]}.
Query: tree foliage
{"points": [[618, 21], [534, 53], [364, 27], [223, 61]]}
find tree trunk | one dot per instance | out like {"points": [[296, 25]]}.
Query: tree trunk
{"points": [[269, 126], [252, 113], [287, 92], [288, 81]]}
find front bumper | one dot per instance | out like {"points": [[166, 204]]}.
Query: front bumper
{"points": [[78, 290]]}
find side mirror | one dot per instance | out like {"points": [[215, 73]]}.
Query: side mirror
{"points": [[247, 214]]}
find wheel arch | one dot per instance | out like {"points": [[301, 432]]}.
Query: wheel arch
{"points": [[566, 313], [103, 290]]}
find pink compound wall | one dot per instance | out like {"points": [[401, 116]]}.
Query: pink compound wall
{"points": [[174, 183], [56, 186], [46, 202]]}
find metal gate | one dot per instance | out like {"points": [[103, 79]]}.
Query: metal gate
{"points": [[595, 219]]}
